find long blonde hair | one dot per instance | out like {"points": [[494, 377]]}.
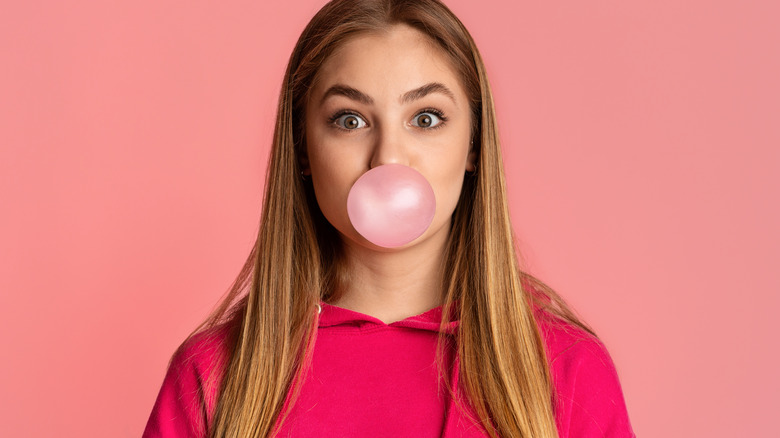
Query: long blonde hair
{"points": [[297, 258]]}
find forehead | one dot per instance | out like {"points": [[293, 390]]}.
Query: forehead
{"points": [[392, 62]]}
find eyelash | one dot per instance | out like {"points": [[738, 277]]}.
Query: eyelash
{"points": [[442, 118]]}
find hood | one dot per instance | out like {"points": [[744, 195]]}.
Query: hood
{"points": [[459, 420], [332, 316]]}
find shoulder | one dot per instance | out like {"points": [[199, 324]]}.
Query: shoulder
{"points": [[188, 395], [199, 362], [588, 397], [204, 352]]}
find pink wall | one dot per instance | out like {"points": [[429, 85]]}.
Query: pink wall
{"points": [[642, 146]]}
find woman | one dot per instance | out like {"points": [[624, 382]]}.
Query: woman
{"points": [[328, 331]]}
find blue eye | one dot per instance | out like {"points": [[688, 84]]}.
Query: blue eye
{"points": [[350, 122], [428, 119]]}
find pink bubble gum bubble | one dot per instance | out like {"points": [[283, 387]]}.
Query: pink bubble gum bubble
{"points": [[391, 205]]}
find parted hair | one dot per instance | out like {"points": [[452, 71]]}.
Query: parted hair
{"points": [[297, 259]]}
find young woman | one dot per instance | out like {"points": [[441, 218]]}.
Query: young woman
{"points": [[337, 329]]}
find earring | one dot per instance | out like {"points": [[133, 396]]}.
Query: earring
{"points": [[303, 176]]}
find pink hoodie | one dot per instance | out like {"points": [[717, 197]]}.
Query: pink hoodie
{"points": [[371, 379]]}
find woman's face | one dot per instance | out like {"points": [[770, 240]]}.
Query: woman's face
{"points": [[387, 98]]}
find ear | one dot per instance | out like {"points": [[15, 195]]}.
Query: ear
{"points": [[471, 159], [303, 160]]}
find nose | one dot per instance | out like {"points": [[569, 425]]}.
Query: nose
{"points": [[389, 148]]}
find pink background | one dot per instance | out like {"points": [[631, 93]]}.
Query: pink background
{"points": [[641, 141]]}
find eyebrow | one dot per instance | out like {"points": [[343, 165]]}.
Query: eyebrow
{"points": [[409, 96], [433, 87]]}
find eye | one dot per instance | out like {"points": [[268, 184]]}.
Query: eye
{"points": [[349, 121], [428, 119]]}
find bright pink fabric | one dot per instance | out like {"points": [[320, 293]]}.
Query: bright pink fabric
{"points": [[368, 378]]}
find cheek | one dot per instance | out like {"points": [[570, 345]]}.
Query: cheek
{"points": [[332, 167], [332, 203], [447, 187], [331, 178], [450, 195], [329, 183]]}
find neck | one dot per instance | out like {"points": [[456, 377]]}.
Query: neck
{"points": [[395, 284]]}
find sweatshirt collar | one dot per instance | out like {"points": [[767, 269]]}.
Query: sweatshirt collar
{"points": [[332, 316]]}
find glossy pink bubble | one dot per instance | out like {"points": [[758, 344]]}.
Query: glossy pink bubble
{"points": [[391, 205]]}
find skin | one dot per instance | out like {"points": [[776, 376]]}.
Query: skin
{"points": [[389, 284]]}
